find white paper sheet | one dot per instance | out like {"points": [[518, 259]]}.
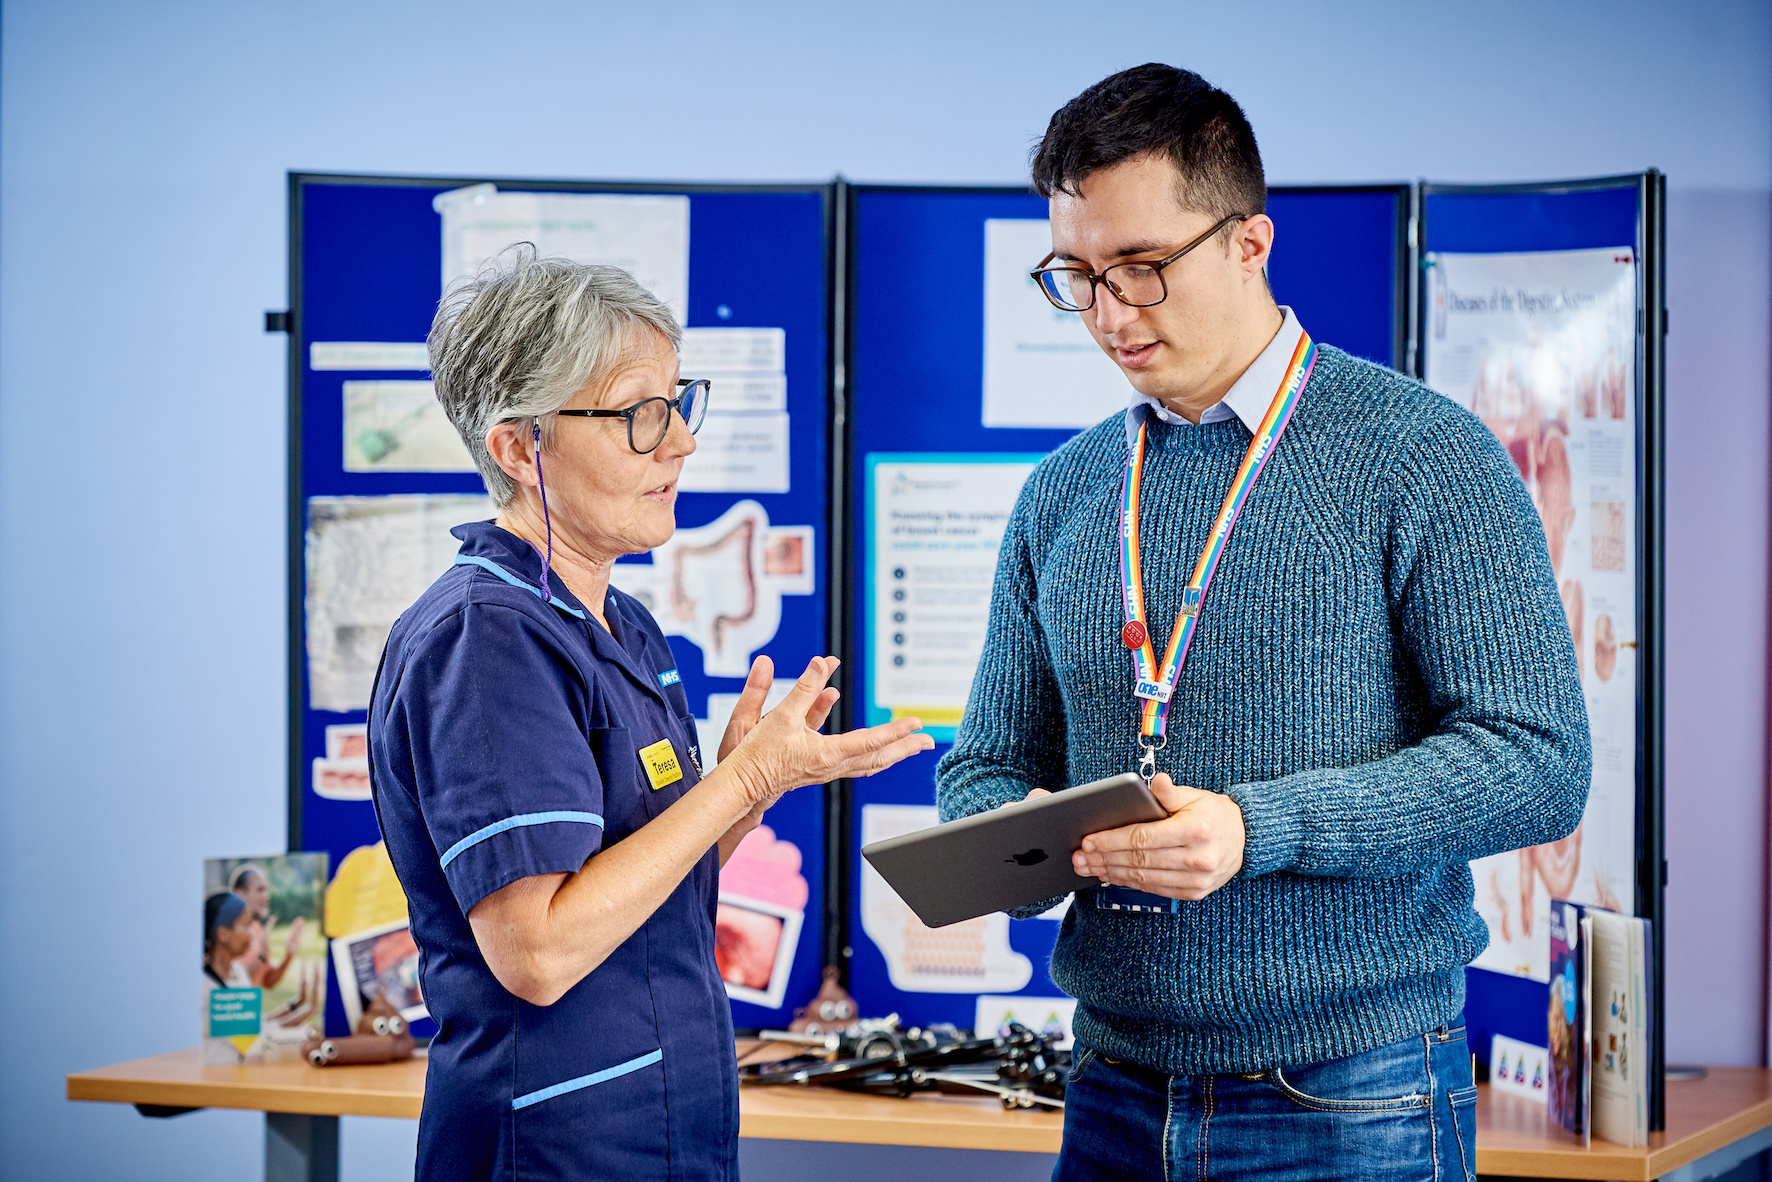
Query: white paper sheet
{"points": [[368, 560], [739, 392], [1520, 1068], [646, 235], [733, 350], [369, 355], [969, 957], [342, 779], [393, 426], [739, 453], [1050, 1016], [935, 524], [1542, 347], [1041, 366], [347, 740]]}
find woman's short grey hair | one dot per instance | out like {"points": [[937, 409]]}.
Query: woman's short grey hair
{"points": [[520, 338]]}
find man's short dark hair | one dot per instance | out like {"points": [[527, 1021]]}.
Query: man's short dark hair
{"points": [[1157, 110]]}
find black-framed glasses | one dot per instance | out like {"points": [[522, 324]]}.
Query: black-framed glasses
{"points": [[649, 421], [1137, 285]]}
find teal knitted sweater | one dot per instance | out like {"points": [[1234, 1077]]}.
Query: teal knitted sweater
{"points": [[1382, 679]]}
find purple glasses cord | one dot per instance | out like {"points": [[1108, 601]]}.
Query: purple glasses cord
{"points": [[547, 561]]}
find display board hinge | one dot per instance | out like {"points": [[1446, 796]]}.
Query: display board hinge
{"points": [[276, 321]]}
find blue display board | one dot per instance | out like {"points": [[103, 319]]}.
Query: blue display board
{"points": [[366, 266], [1599, 214], [916, 354]]}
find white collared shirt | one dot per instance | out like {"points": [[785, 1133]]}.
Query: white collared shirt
{"points": [[1247, 399]]}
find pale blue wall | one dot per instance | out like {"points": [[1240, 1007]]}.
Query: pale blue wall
{"points": [[142, 158]]}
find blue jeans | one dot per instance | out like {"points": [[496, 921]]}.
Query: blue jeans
{"points": [[1406, 1111]]}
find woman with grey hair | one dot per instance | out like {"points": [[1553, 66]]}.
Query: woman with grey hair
{"points": [[534, 759]]}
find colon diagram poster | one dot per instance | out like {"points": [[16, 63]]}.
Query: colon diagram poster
{"points": [[1542, 348]]}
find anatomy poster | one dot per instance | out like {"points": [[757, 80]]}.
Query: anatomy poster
{"points": [[719, 586], [973, 956], [1542, 347]]}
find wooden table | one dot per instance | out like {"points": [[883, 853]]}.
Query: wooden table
{"points": [[1713, 1124]]}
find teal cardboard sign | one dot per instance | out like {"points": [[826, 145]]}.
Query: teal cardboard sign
{"points": [[234, 1012]]}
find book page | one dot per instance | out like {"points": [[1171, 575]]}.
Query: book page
{"points": [[1639, 1030], [1615, 1067]]}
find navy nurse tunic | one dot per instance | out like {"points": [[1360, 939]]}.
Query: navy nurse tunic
{"points": [[504, 737]]}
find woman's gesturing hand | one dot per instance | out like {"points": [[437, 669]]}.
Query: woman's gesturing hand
{"points": [[748, 711], [783, 750]]}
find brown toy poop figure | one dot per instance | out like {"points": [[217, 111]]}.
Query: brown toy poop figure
{"points": [[380, 1017], [381, 1038], [830, 1011]]}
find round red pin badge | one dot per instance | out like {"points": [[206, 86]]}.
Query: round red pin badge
{"points": [[1133, 634]]}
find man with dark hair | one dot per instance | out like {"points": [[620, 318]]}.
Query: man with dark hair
{"points": [[1316, 593]]}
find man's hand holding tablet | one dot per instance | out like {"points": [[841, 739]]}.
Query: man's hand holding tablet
{"points": [[1188, 855]]}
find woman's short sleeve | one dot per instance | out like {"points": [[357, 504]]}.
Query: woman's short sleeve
{"points": [[493, 714]]}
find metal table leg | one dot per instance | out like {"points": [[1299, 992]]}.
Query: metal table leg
{"points": [[300, 1148]]}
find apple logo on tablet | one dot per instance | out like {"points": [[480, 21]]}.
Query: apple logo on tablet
{"points": [[1031, 857]]}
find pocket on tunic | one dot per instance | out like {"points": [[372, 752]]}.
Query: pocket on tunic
{"points": [[612, 749], [604, 1124]]}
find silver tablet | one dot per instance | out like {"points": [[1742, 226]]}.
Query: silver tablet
{"points": [[1008, 857]]}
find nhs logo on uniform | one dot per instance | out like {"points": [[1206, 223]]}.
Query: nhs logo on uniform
{"points": [[669, 677]]}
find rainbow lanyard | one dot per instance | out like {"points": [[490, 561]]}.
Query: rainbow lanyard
{"points": [[1154, 686]]}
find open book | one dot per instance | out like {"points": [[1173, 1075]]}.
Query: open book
{"points": [[1599, 1023]]}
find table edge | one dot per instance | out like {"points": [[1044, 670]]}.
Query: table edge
{"points": [[124, 1083]]}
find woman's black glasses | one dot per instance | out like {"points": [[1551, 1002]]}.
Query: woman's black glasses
{"points": [[650, 421]]}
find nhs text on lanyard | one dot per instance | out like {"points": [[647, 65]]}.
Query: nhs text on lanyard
{"points": [[1154, 685]]}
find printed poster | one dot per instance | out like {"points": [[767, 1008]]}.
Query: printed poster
{"points": [[399, 426], [645, 234], [369, 559], [743, 444], [264, 957], [1542, 347], [757, 922], [1041, 366], [935, 522]]}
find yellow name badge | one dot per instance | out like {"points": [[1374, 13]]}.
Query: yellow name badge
{"points": [[660, 762]]}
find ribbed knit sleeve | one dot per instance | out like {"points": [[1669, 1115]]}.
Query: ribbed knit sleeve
{"points": [[1474, 605], [1012, 737]]}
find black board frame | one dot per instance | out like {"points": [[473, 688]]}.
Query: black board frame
{"points": [[1650, 900]]}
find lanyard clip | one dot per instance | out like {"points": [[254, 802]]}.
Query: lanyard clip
{"points": [[1147, 763]]}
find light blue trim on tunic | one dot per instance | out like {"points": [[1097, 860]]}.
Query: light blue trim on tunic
{"points": [[585, 1081], [497, 827], [486, 564]]}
